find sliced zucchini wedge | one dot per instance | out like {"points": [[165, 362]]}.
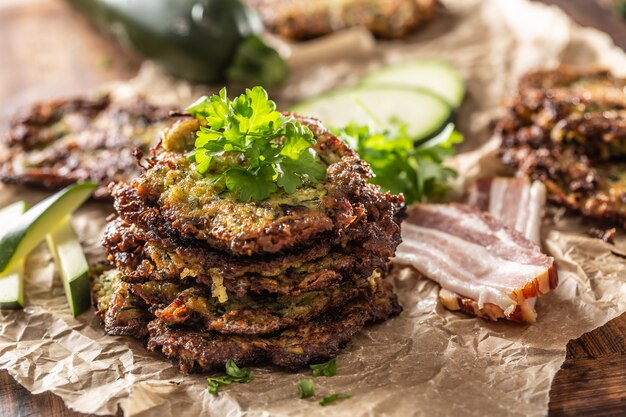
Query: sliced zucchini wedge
{"points": [[12, 283], [28, 230], [73, 267]]}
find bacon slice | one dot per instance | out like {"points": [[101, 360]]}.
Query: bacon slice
{"points": [[484, 267], [516, 202]]}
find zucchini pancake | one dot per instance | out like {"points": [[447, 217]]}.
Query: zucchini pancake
{"points": [[251, 235], [59, 142], [567, 128]]}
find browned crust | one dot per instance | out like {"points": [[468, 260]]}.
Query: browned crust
{"points": [[196, 349], [194, 306], [122, 312], [36, 154], [351, 209], [308, 269], [315, 341], [567, 128]]}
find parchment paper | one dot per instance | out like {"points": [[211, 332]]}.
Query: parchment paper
{"points": [[427, 361]]}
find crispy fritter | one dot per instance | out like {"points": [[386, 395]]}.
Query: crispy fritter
{"points": [[305, 19], [584, 109], [250, 315], [595, 190], [60, 142], [198, 349], [317, 340], [317, 267], [567, 128], [122, 312], [173, 200]]}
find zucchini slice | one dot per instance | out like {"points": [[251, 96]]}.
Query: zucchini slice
{"points": [[29, 229], [70, 259], [424, 113], [436, 76], [12, 283]]}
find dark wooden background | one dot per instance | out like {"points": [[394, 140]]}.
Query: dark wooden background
{"points": [[592, 381]]}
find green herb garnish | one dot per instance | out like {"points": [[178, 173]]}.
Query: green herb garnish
{"points": [[325, 369], [234, 374], [306, 388], [332, 398], [401, 165], [241, 374], [620, 7], [274, 151]]}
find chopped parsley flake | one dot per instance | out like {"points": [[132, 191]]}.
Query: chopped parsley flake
{"points": [[234, 374], [333, 398], [306, 388], [325, 369]]}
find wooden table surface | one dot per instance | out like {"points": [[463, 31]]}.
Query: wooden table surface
{"points": [[592, 381]]}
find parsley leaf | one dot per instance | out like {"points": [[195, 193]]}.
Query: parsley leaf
{"points": [[234, 374], [400, 164], [332, 398], [306, 388], [294, 171], [325, 369], [274, 151], [255, 185], [240, 374]]}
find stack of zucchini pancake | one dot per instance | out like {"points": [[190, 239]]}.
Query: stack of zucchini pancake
{"points": [[238, 258]]}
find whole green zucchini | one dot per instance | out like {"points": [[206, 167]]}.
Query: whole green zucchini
{"points": [[200, 40]]}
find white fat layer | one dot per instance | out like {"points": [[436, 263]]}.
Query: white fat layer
{"points": [[464, 267], [535, 212], [472, 198], [521, 218], [496, 197], [518, 204], [508, 201]]}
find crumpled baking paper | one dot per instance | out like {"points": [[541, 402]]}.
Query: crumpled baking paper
{"points": [[427, 361]]}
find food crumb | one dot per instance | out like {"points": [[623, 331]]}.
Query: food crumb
{"points": [[607, 235]]}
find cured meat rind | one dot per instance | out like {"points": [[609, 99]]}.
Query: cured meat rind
{"points": [[480, 263]]}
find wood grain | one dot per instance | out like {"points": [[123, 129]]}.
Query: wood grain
{"points": [[45, 43], [592, 381], [16, 401]]}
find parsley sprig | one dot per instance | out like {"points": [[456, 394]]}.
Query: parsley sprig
{"points": [[333, 398], [234, 374], [400, 164], [325, 369], [306, 388], [273, 151]]}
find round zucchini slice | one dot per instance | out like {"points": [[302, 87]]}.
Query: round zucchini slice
{"points": [[436, 76], [424, 113]]}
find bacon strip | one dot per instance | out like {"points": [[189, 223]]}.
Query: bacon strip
{"points": [[483, 267], [516, 202]]}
